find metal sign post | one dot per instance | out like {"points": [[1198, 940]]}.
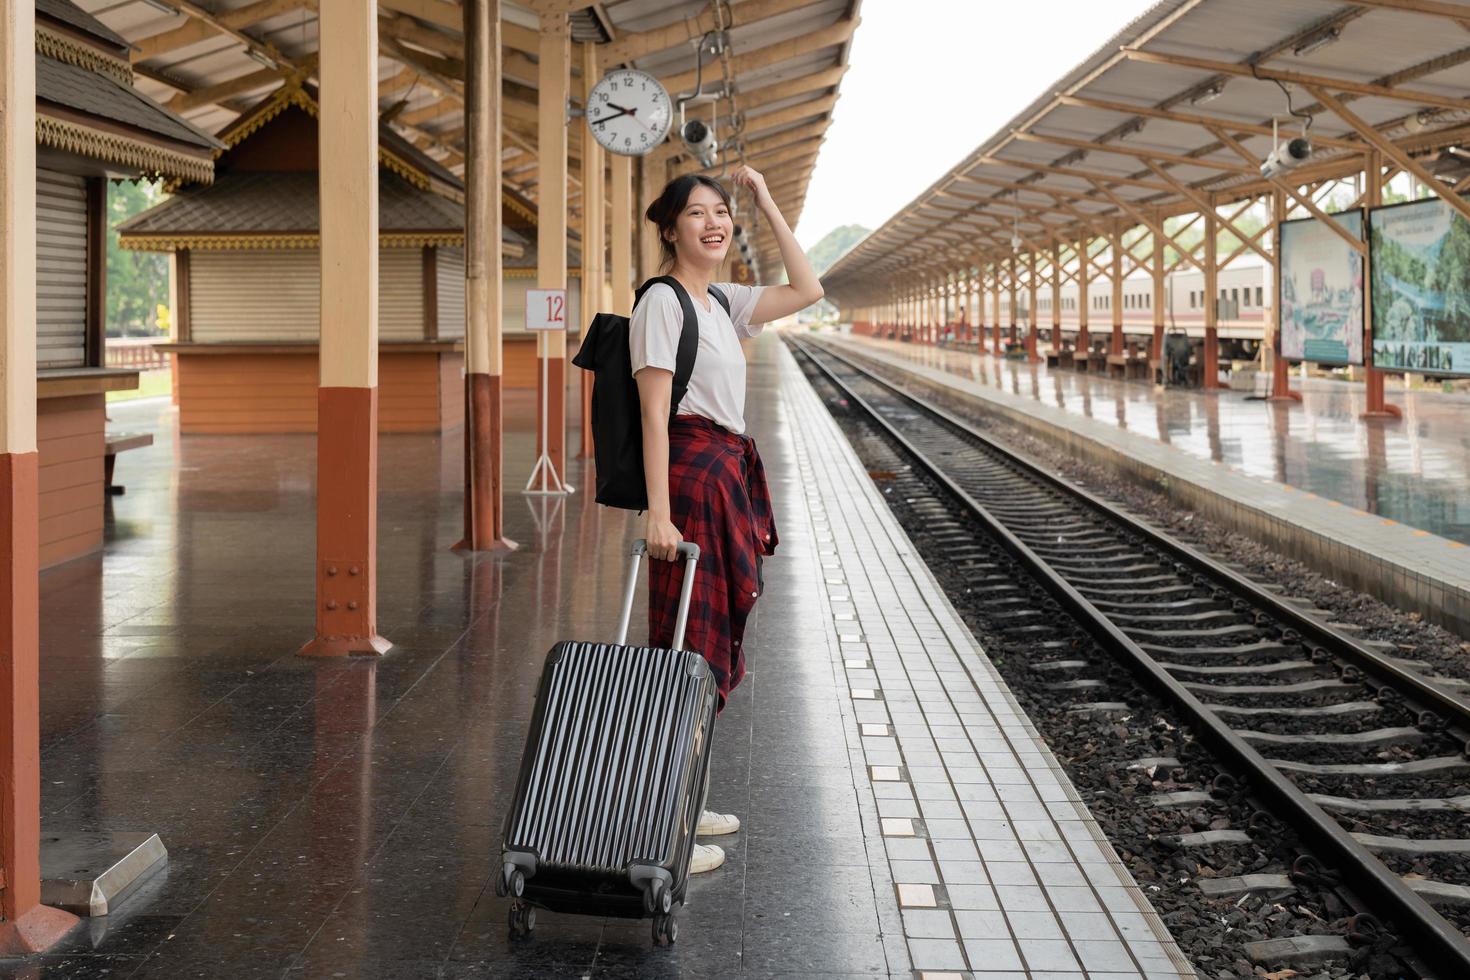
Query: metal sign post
{"points": [[546, 309]]}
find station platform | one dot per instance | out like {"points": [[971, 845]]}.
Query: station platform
{"points": [[341, 818], [1382, 506]]}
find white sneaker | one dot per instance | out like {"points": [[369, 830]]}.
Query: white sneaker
{"points": [[706, 857], [713, 824]]}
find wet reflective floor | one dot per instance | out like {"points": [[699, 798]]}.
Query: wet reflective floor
{"points": [[341, 819], [1415, 471]]}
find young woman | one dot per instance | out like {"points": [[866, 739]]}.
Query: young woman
{"points": [[705, 479]]}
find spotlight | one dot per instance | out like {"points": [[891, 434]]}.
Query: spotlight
{"points": [[1207, 94], [1286, 157], [699, 140], [1317, 41], [260, 56]]}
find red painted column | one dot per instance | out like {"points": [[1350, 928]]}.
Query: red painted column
{"points": [[347, 396], [996, 347], [553, 88], [26, 926], [484, 475], [1378, 407]]}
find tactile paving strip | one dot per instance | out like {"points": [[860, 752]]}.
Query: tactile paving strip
{"points": [[998, 868]]}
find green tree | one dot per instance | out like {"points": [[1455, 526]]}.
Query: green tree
{"points": [[823, 255], [1452, 275], [137, 282]]}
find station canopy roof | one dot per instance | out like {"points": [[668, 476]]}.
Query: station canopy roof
{"points": [[209, 62], [1174, 115]]}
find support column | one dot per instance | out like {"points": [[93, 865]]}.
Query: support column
{"points": [[347, 399], [1033, 324], [1280, 370], [1378, 407], [1011, 286], [552, 80], [620, 194], [1116, 345], [26, 926], [1084, 298], [1056, 297], [484, 429], [594, 225], [1159, 300], [995, 347], [1211, 357], [649, 186]]}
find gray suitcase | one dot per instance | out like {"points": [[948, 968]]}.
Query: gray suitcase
{"points": [[613, 777]]}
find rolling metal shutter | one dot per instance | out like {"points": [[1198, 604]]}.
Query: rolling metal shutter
{"points": [[61, 270], [400, 294], [449, 266], [254, 295], [275, 295]]}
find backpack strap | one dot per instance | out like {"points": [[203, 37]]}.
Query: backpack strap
{"points": [[723, 300], [688, 337]]}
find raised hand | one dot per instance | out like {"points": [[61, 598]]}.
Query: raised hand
{"points": [[747, 176]]}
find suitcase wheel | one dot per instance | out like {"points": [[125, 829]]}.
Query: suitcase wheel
{"points": [[657, 898], [521, 919], [511, 882], [665, 929]]}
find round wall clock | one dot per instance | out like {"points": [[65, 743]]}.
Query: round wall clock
{"points": [[629, 112]]}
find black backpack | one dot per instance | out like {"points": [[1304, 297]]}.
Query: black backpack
{"points": [[617, 421]]}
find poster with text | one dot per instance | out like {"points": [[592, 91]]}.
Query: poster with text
{"points": [[1321, 291], [1421, 287]]}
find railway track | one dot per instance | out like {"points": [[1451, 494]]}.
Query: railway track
{"points": [[1362, 755]]}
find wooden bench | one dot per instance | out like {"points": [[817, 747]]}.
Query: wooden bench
{"points": [[1092, 360], [120, 442], [1128, 366]]}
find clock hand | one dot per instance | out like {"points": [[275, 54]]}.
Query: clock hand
{"points": [[602, 119]]}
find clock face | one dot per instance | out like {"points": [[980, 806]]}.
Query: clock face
{"points": [[629, 112]]}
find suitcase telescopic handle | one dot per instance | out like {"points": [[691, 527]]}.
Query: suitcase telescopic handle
{"points": [[690, 553]]}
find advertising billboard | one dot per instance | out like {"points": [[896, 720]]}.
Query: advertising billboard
{"points": [[1321, 291], [1421, 287]]}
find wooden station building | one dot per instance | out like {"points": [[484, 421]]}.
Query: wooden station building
{"points": [[92, 125], [364, 143], [247, 279]]}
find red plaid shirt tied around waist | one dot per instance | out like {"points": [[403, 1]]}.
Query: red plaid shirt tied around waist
{"points": [[719, 500]]}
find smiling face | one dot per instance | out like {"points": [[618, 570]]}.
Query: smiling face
{"points": [[701, 238]]}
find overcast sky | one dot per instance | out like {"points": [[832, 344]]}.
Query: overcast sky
{"points": [[928, 82]]}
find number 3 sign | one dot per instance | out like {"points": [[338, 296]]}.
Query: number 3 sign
{"points": [[546, 309]]}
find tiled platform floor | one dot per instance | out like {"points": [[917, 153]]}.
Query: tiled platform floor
{"points": [[1380, 506], [341, 819]]}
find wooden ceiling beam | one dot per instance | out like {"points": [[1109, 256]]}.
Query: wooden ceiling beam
{"points": [[772, 54], [754, 125], [1138, 153], [197, 28], [219, 26], [631, 47], [1299, 78], [250, 82], [1194, 119]]}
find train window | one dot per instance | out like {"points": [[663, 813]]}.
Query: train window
{"points": [[1235, 296], [1191, 299], [1258, 296]]}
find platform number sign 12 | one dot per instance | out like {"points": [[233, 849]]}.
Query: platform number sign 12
{"points": [[546, 309], [629, 112]]}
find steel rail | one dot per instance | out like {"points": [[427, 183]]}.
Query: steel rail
{"points": [[1438, 941], [1423, 695]]}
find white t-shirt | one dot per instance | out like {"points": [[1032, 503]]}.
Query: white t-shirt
{"points": [[717, 386]]}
